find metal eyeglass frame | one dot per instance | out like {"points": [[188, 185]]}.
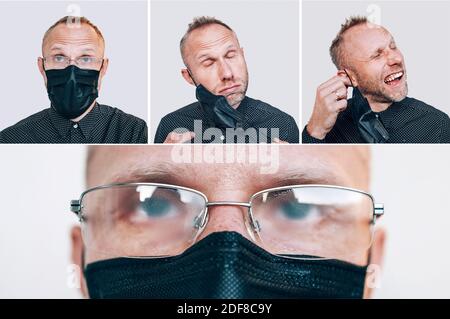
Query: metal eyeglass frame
{"points": [[69, 61], [76, 205]]}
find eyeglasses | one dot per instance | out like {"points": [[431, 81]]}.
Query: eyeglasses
{"points": [[159, 220], [61, 62]]}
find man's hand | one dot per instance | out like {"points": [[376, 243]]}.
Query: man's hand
{"points": [[175, 137], [331, 99]]}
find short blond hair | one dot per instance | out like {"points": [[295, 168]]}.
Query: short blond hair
{"points": [[337, 54]]}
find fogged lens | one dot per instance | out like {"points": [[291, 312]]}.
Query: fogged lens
{"points": [[139, 220], [316, 221]]}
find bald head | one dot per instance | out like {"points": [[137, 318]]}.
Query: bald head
{"points": [[73, 30], [197, 24]]}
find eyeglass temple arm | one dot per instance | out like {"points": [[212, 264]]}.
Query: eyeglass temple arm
{"points": [[378, 211], [75, 206]]}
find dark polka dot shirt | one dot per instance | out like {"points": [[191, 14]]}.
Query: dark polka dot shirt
{"points": [[259, 119], [408, 121], [103, 124]]}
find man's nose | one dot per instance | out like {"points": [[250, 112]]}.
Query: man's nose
{"points": [[225, 71], [225, 218], [394, 57]]}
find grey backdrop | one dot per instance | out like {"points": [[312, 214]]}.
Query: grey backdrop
{"points": [[267, 30], [411, 180], [22, 26], [421, 30]]}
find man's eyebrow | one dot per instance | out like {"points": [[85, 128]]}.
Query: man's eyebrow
{"points": [[56, 48], [88, 50], [159, 173], [202, 56], [382, 47], [316, 176], [229, 48]]}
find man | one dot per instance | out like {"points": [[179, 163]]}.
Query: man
{"points": [[151, 201], [73, 66], [215, 64], [380, 111]]}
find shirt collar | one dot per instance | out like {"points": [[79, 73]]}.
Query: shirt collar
{"points": [[244, 105], [388, 115], [86, 124], [357, 111]]}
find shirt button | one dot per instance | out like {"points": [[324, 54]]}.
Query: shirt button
{"points": [[222, 137], [75, 125]]}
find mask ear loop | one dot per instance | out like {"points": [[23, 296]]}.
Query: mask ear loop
{"points": [[83, 257], [101, 66], [191, 76], [43, 64], [345, 70]]}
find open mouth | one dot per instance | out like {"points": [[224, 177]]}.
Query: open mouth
{"points": [[394, 78]]}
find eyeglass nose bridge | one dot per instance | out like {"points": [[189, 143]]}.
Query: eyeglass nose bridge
{"points": [[228, 203], [254, 223], [69, 62]]}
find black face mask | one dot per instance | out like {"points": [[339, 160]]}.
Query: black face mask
{"points": [[221, 114], [224, 265], [370, 127], [72, 90]]}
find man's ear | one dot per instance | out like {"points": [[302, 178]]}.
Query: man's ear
{"points": [[373, 276], [187, 76], [102, 72], [40, 64], [77, 256], [348, 73]]}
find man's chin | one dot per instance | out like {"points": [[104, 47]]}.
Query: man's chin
{"points": [[396, 96], [235, 99]]}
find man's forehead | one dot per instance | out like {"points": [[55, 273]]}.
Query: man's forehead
{"points": [[211, 166], [209, 37], [365, 38], [63, 34]]}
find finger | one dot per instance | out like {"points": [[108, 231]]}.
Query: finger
{"points": [[185, 137], [170, 138], [333, 104], [341, 105], [341, 94], [335, 86], [276, 140], [175, 137], [329, 82]]}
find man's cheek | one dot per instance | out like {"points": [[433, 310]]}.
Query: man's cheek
{"points": [[241, 69]]}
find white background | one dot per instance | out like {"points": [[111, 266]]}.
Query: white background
{"points": [[39, 181]]}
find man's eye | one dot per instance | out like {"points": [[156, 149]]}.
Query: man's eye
{"points": [[85, 59], [230, 55], [207, 63], [295, 210], [377, 55], [59, 58], [157, 207]]}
